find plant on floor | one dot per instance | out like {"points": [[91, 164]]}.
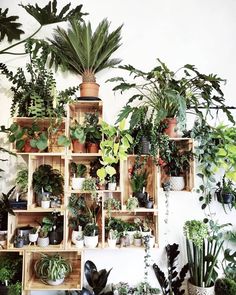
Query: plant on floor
{"points": [[204, 243], [114, 147], [52, 268], [97, 280], [172, 283]]}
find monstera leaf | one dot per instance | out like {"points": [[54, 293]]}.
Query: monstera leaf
{"points": [[8, 26], [96, 279]]}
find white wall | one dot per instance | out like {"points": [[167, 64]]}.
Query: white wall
{"points": [[198, 32]]}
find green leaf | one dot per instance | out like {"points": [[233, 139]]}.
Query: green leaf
{"points": [[101, 173], [63, 140], [110, 170], [122, 125]]}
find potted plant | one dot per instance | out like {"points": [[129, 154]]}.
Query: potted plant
{"points": [[91, 235], [114, 147], [78, 137], [46, 179], [78, 171], [111, 185], [175, 163], [137, 239], [33, 235], [226, 192], [43, 239], [45, 201], [85, 52], [18, 241], [10, 273], [204, 244], [113, 235], [5, 208], [52, 269], [89, 185], [132, 203], [93, 132]]}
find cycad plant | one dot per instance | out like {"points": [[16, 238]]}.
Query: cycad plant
{"points": [[85, 52]]}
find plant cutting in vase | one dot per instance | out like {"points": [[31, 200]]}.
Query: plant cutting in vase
{"points": [[85, 52], [78, 172], [52, 269], [204, 243]]}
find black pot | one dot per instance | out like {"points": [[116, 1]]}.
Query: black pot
{"points": [[55, 237], [142, 198], [3, 221], [149, 204], [24, 232], [225, 198], [145, 146]]}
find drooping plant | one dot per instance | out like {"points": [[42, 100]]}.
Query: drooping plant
{"points": [[172, 283]]}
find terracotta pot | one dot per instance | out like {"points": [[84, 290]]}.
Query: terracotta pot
{"points": [[171, 129], [195, 290], [89, 89], [78, 147], [28, 148], [92, 147]]}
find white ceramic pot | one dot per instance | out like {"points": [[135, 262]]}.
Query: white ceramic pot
{"points": [[131, 236], [195, 290], [33, 237], [90, 242], [111, 243], [77, 183], [177, 183], [43, 242], [79, 244], [45, 204], [137, 242], [56, 282], [111, 186], [76, 235]]}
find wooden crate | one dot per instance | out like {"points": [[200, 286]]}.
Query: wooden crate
{"points": [[184, 144], [77, 110], [72, 282], [151, 169], [33, 219]]}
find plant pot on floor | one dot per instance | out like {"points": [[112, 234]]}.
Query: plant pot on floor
{"points": [[177, 183], [195, 290]]}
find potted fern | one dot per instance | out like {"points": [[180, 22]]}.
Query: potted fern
{"points": [[52, 269], [85, 52]]}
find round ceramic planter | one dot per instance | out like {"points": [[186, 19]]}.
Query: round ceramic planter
{"points": [[77, 182], [111, 186], [90, 242], [131, 236], [43, 242], [33, 237], [137, 242], [177, 183], [76, 235], [89, 89], [45, 204], [79, 244], [195, 290], [56, 282]]}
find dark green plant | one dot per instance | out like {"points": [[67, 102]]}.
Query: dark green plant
{"points": [[90, 229], [22, 180], [44, 16], [5, 206], [138, 177], [93, 132], [78, 132], [171, 285], [82, 51], [96, 279], [15, 289], [78, 170], [204, 244], [89, 185], [47, 179], [225, 286]]}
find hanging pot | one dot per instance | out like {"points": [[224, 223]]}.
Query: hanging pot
{"points": [[195, 290], [225, 198]]}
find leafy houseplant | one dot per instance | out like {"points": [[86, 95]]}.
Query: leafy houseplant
{"points": [[171, 285], [204, 244], [226, 192], [47, 179], [78, 171], [5, 208], [93, 132], [132, 203], [85, 52], [52, 269], [114, 147], [78, 137]]}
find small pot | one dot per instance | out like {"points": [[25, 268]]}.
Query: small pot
{"points": [[137, 242], [171, 129], [28, 148], [142, 197], [92, 147], [76, 235], [177, 183], [33, 237], [19, 244], [78, 147], [43, 242], [77, 182], [24, 232], [111, 243], [149, 204], [45, 204], [90, 242], [111, 186], [89, 89], [79, 244]]}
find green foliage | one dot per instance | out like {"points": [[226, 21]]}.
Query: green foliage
{"points": [[93, 133], [225, 286], [15, 289], [5, 206], [173, 282], [138, 176], [52, 267], [132, 203], [90, 230], [10, 267], [22, 180], [82, 51], [79, 170], [48, 179], [114, 147], [78, 132], [89, 185], [9, 27]]}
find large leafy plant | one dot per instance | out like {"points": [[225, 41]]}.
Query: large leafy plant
{"points": [[172, 283]]}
